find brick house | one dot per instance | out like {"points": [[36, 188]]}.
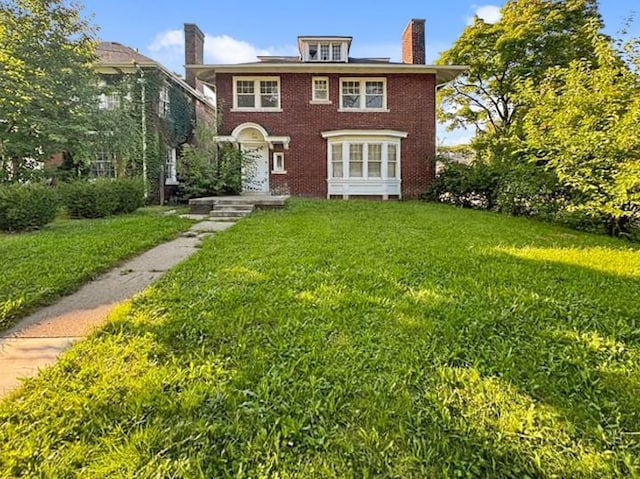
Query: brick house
{"points": [[325, 124], [156, 92]]}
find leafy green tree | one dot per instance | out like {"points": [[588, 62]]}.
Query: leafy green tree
{"points": [[47, 82], [530, 37], [584, 125]]}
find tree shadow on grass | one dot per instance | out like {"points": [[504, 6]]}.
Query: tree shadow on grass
{"points": [[423, 370]]}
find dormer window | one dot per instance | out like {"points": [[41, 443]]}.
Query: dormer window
{"points": [[324, 49], [313, 51]]}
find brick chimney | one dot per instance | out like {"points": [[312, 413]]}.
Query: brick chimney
{"points": [[413, 44], [193, 50]]}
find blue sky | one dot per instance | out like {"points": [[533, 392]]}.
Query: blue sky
{"points": [[238, 31]]}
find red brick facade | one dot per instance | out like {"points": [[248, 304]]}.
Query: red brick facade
{"points": [[411, 105]]}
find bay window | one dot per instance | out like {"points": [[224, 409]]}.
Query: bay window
{"points": [[363, 162]]}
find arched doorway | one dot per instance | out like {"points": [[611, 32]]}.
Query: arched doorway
{"points": [[252, 139]]}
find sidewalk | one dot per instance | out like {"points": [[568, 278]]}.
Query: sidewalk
{"points": [[37, 340]]}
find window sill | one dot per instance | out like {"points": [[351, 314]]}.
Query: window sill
{"points": [[279, 172], [363, 110], [265, 110], [320, 102]]}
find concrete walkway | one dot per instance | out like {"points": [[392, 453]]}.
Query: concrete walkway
{"points": [[37, 340]]}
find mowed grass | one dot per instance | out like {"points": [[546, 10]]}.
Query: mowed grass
{"points": [[38, 267], [355, 339]]}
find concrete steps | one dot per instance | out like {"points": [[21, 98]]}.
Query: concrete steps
{"points": [[230, 210]]}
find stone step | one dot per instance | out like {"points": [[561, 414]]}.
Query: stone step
{"points": [[228, 213], [233, 201], [222, 219], [232, 207]]}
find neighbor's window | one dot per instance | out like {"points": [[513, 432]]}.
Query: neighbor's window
{"points": [[320, 89], [170, 170], [163, 101], [363, 94], [256, 93], [109, 99]]}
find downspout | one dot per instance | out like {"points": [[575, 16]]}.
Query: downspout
{"points": [[143, 116]]}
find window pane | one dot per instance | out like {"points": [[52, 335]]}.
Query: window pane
{"points": [[374, 166], [336, 52], [320, 90], [324, 52], [245, 97], [350, 94], [269, 94], [355, 161], [246, 101], [313, 51], [244, 86], [336, 160], [392, 153], [374, 92]]}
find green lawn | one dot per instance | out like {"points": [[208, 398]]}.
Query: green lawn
{"points": [[40, 266], [355, 339]]}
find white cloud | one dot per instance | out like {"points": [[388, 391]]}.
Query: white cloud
{"points": [[488, 13], [168, 49]]}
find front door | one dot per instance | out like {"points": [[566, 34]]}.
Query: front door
{"points": [[255, 170]]}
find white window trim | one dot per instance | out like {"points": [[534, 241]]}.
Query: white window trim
{"points": [[256, 92], [317, 101], [282, 171], [376, 185], [343, 51], [362, 81], [171, 176], [164, 101]]}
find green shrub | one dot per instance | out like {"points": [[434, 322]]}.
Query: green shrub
{"points": [[103, 197], [129, 193], [468, 186], [230, 161], [529, 190], [26, 206]]}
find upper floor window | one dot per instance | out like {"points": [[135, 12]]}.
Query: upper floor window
{"points": [[163, 101], [320, 87], [109, 98], [363, 94], [325, 52], [262, 93]]}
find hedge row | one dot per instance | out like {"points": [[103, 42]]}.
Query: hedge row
{"points": [[31, 206], [103, 197], [26, 206]]}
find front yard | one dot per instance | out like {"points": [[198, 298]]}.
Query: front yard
{"points": [[355, 339], [40, 266]]}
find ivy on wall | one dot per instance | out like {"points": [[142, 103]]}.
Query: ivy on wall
{"points": [[132, 130]]}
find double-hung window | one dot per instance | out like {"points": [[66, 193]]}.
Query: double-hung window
{"points": [[364, 94], [261, 93], [164, 101], [320, 90]]}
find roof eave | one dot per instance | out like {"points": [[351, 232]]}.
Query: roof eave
{"points": [[131, 66], [444, 73]]}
